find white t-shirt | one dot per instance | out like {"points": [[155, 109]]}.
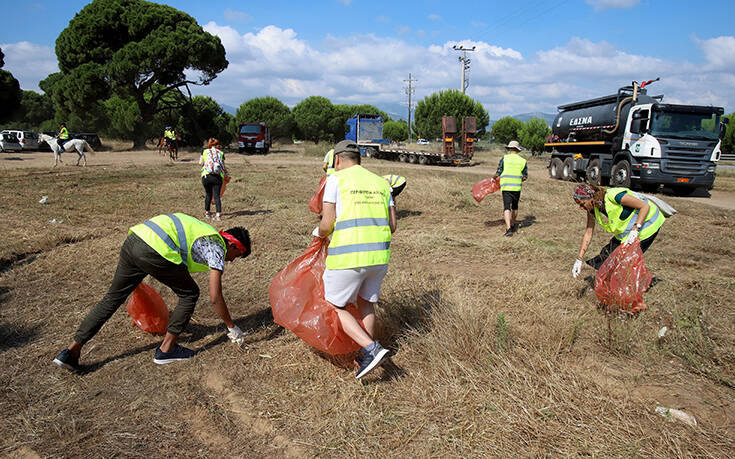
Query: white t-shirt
{"points": [[331, 194], [208, 250]]}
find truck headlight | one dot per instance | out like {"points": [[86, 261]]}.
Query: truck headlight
{"points": [[651, 165]]}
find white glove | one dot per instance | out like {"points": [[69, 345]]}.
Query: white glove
{"points": [[236, 335], [577, 268], [315, 233], [632, 236]]}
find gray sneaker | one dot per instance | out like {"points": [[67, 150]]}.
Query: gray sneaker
{"points": [[369, 360]]}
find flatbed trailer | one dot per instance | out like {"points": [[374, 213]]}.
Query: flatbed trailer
{"points": [[406, 155]]}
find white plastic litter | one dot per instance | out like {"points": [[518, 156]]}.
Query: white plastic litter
{"points": [[53, 220], [43, 200], [662, 332], [671, 413]]}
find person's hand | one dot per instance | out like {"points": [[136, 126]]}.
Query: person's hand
{"points": [[236, 335], [632, 236], [315, 233], [577, 268]]}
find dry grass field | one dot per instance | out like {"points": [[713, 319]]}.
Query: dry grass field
{"points": [[498, 351]]}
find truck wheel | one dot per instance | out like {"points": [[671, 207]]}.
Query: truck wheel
{"points": [[423, 160], [371, 152], [620, 174], [240, 150], [567, 170], [594, 173], [403, 157], [412, 159], [555, 168]]}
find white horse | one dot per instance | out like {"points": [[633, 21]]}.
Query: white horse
{"points": [[80, 145]]}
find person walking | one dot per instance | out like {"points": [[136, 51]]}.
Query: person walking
{"points": [[513, 171], [168, 248], [619, 211], [359, 214], [213, 174], [62, 137], [328, 164]]}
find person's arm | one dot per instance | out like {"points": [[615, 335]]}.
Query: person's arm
{"points": [[329, 216], [525, 172], [324, 166], [500, 168], [642, 206], [392, 218], [216, 298], [587, 238]]}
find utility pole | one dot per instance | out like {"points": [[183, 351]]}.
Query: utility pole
{"points": [[409, 90], [465, 61]]}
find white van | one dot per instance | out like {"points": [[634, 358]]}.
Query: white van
{"points": [[9, 142], [28, 139]]}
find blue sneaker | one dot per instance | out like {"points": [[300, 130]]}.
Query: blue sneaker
{"points": [[369, 358], [65, 359], [177, 353]]}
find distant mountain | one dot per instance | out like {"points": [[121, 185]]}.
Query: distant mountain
{"points": [[229, 109]]}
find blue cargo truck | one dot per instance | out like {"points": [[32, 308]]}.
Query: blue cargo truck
{"points": [[631, 139], [367, 131]]}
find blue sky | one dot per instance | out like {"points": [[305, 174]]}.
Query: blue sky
{"points": [[532, 55]]}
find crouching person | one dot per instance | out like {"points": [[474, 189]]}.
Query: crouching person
{"points": [[168, 248], [359, 213]]}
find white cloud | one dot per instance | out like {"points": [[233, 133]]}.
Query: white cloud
{"points": [[371, 69], [434, 17], [236, 16], [345, 2], [612, 4], [29, 63]]}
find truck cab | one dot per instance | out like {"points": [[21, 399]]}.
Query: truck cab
{"points": [[253, 138]]}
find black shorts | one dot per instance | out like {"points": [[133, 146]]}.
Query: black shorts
{"points": [[510, 200]]}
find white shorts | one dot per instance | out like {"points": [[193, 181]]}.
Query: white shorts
{"points": [[342, 286]]}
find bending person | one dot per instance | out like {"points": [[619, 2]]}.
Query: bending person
{"points": [[359, 213], [618, 211], [169, 248]]}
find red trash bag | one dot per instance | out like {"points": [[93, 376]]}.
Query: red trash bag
{"points": [[485, 187], [297, 302], [315, 203], [222, 190], [148, 310], [622, 280]]}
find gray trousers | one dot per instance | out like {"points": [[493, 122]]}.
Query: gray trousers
{"points": [[137, 260]]}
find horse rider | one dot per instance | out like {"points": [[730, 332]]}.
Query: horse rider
{"points": [[169, 134], [62, 137]]}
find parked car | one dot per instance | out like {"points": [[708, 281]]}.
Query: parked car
{"points": [[422, 142], [92, 138], [9, 142], [28, 139]]}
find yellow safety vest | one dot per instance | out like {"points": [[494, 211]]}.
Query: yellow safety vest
{"points": [[361, 234], [621, 228], [395, 180], [205, 156], [64, 134], [172, 236], [169, 135], [511, 179], [329, 159]]}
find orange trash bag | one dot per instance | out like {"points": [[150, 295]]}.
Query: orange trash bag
{"points": [[222, 189], [485, 187], [297, 302], [315, 203], [148, 310], [622, 280]]}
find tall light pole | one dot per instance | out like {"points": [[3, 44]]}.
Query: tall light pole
{"points": [[465, 61], [409, 90]]}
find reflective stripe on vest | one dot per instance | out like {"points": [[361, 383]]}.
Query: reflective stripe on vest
{"points": [[361, 235], [511, 179], [621, 228], [174, 244]]}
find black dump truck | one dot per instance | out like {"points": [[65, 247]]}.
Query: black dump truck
{"points": [[631, 139]]}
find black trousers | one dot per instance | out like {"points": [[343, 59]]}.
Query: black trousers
{"points": [[137, 260], [212, 185], [612, 245]]}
